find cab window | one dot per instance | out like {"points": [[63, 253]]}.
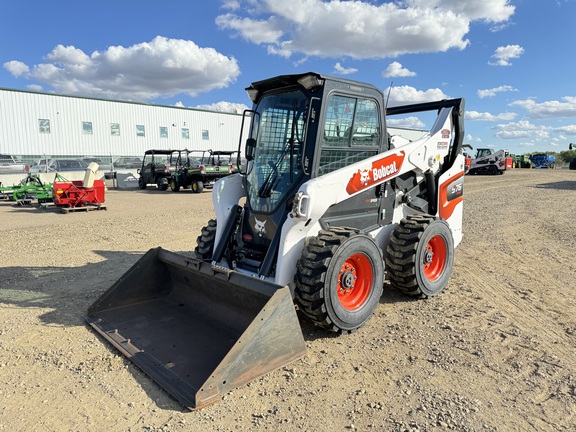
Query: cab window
{"points": [[351, 132]]}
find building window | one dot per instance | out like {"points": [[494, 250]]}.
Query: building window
{"points": [[205, 135], [44, 126], [87, 128], [115, 129], [185, 133], [140, 131], [163, 132]]}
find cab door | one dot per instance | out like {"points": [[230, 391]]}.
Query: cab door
{"points": [[351, 133]]}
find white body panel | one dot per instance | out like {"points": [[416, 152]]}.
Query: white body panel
{"points": [[322, 192]]}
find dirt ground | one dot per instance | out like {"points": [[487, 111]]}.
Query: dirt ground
{"points": [[494, 352]]}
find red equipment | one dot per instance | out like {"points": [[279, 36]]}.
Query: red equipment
{"points": [[78, 194]]}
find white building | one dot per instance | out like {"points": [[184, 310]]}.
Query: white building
{"points": [[34, 125]]}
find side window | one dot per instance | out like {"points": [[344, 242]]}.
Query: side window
{"points": [[351, 132], [339, 121], [366, 130]]}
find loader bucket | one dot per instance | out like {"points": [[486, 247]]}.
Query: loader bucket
{"points": [[196, 330]]}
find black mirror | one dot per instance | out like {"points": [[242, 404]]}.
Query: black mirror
{"points": [[250, 148], [571, 146]]}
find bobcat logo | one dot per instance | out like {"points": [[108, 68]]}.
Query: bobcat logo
{"points": [[259, 227], [364, 176]]}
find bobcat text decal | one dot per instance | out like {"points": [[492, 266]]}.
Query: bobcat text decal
{"points": [[381, 170]]}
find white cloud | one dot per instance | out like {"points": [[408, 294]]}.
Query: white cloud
{"points": [[521, 129], [224, 107], [35, 87], [410, 122], [339, 69], [470, 138], [160, 68], [406, 94], [492, 92], [568, 130], [395, 69], [16, 68], [478, 116], [503, 55], [488, 10], [230, 4], [360, 29], [256, 31], [548, 109]]}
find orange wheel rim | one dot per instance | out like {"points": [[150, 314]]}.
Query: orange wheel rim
{"points": [[354, 281], [434, 260]]}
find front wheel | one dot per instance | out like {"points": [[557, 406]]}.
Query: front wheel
{"points": [[141, 183], [197, 186], [174, 185], [205, 241], [339, 279], [420, 255]]}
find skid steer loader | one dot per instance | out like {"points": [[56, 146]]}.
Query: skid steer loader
{"points": [[325, 206]]}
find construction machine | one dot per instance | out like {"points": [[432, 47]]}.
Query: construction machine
{"points": [[326, 207], [490, 161]]}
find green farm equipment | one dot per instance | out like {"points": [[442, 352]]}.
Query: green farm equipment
{"points": [[30, 189]]}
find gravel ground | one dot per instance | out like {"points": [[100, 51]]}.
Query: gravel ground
{"points": [[495, 352]]}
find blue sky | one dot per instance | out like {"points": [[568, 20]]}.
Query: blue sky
{"points": [[512, 60]]}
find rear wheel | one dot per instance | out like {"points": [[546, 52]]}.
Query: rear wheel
{"points": [[420, 255], [162, 184], [339, 279], [205, 241], [197, 186]]}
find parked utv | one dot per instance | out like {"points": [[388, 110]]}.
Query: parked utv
{"points": [[157, 168], [201, 168]]}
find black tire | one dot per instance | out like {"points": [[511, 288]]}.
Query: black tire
{"points": [[162, 183], [339, 279], [420, 256], [572, 165], [197, 186], [174, 185], [205, 242], [141, 183]]}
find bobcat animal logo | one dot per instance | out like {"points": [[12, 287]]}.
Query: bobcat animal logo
{"points": [[364, 176], [259, 227]]}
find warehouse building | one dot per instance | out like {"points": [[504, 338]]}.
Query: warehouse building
{"points": [[36, 125]]}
